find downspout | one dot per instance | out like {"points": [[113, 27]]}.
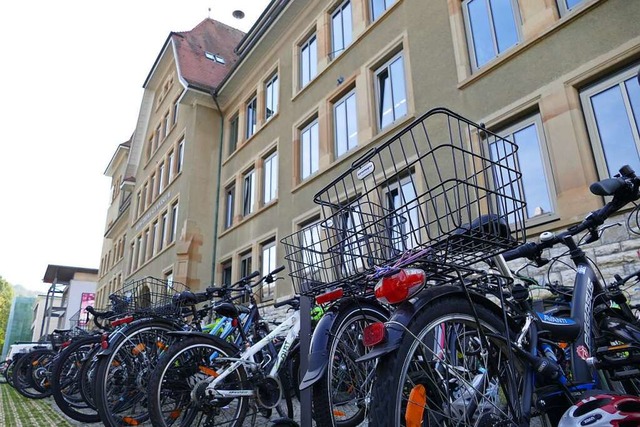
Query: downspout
{"points": [[218, 186]]}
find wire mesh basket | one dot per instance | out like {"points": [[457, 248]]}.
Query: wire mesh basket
{"points": [[147, 296], [443, 190], [79, 322]]}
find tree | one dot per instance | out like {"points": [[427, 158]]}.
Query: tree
{"points": [[6, 297]]}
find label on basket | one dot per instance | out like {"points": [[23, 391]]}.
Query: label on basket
{"points": [[365, 170]]}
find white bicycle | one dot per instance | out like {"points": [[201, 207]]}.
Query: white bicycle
{"points": [[204, 380]]}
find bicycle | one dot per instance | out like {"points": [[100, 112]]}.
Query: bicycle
{"points": [[464, 359], [205, 379]]}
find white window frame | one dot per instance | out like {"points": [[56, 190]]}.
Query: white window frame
{"points": [[564, 9], [345, 14], [252, 117], [307, 153], [270, 187], [248, 192], [386, 5], [345, 100], [470, 37], [268, 255], [545, 174], [308, 60], [396, 109], [174, 222], [272, 88], [234, 133], [180, 159], [615, 79], [229, 203]]}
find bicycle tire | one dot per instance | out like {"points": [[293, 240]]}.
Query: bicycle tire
{"points": [[121, 377], [66, 380], [422, 364], [340, 396], [186, 366], [31, 374]]}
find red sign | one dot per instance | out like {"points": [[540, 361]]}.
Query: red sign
{"points": [[87, 300]]}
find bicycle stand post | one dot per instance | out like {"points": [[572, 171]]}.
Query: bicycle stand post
{"points": [[305, 343]]}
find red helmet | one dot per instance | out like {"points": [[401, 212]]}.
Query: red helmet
{"points": [[603, 410]]}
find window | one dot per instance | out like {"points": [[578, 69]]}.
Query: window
{"points": [[311, 254], [154, 238], [565, 6], [156, 138], [268, 265], [229, 202], [152, 186], [180, 156], [378, 7], [309, 150], [168, 277], [346, 125], [233, 134], [167, 125], [341, 29], [161, 181], [270, 177], [351, 240], [164, 223], [612, 110], [174, 222], [271, 90], [226, 273], [391, 91], [248, 192], [251, 117], [174, 114], [529, 137], [169, 167], [245, 264], [145, 245], [139, 205], [140, 252], [145, 194], [403, 224], [492, 27], [133, 264], [308, 60]]}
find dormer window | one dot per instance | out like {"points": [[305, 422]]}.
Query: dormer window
{"points": [[216, 58]]}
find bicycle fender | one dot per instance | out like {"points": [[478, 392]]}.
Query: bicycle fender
{"points": [[405, 312], [318, 350]]}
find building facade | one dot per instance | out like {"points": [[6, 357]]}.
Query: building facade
{"points": [[316, 84]]}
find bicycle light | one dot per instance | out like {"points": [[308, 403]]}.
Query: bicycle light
{"points": [[400, 286], [329, 296], [374, 334]]}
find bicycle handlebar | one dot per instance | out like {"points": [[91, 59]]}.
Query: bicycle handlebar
{"points": [[624, 189]]}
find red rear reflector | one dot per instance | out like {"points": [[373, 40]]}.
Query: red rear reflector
{"points": [[104, 343], [374, 334], [234, 323], [65, 344], [122, 321], [400, 286], [329, 296]]}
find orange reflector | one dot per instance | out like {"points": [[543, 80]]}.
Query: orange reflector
{"points": [[34, 363], [130, 421], [619, 347], [338, 413], [415, 406], [115, 363], [138, 349], [161, 345], [175, 414], [208, 371], [374, 334], [329, 296]]}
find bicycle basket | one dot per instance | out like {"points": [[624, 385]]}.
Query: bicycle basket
{"points": [[319, 257], [148, 296], [443, 189], [79, 322]]}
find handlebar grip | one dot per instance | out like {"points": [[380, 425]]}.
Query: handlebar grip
{"points": [[627, 171], [251, 276], [277, 270], [290, 301], [527, 250]]}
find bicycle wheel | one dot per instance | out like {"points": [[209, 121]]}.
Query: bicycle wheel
{"points": [[31, 374], [65, 380], [177, 386], [340, 397], [121, 377], [88, 376], [445, 374]]}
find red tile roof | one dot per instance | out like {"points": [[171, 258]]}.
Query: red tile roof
{"points": [[208, 36]]}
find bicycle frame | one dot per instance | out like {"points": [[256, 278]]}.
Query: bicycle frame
{"points": [[291, 326]]}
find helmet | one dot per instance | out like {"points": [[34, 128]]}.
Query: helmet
{"points": [[603, 410]]}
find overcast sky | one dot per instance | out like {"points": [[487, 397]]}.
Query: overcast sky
{"points": [[71, 76]]}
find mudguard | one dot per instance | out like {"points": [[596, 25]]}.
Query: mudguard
{"points": [[405, 312], [319, 351]]}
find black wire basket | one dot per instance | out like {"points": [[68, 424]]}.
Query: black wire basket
{"points": [[149, 295], [443, 190]]}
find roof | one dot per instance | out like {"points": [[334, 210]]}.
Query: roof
{"points": [[64, 274], [190, 46]]}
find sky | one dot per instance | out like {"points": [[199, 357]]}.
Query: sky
{"points": [[71, 86]]}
